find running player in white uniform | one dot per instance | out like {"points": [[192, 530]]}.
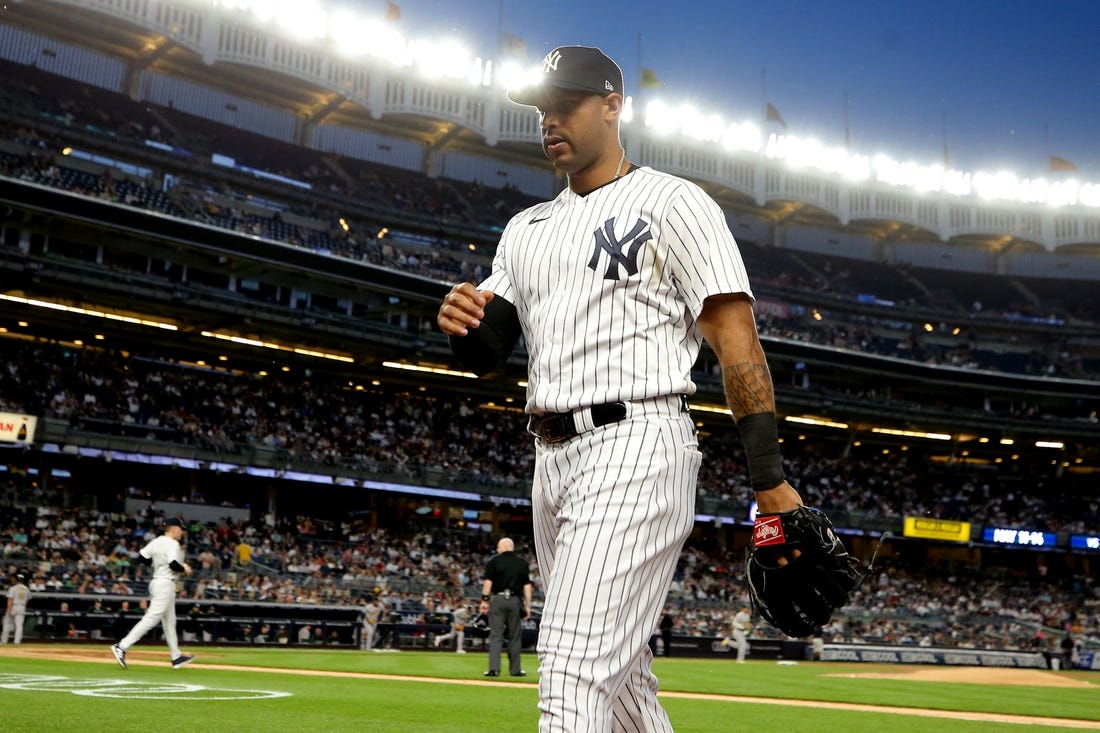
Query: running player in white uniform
{"points": [[166, 556], [742, 625], [614, 284], [15, 613], [459, 618]]}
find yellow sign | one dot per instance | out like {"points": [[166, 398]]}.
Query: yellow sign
{"points": [[937, 529]]}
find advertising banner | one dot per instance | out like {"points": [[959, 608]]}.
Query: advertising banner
{"points": [[16, 428], [930, 655], [937, 529]]}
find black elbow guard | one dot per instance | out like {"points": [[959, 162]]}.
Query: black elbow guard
{"points": [[485, 348]]}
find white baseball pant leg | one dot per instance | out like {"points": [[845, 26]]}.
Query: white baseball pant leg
{"points": [[162, 610], [612, 508], [742, 643], [13, 622]]}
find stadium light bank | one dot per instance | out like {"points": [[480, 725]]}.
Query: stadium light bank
{"points": [[355, 35]]}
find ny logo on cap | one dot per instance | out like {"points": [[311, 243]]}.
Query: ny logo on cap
{"points": [[550, 63]]}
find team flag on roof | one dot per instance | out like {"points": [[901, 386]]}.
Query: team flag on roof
{"points": [[512, 45], [649, 79], [774, 116], [1061, 164]]}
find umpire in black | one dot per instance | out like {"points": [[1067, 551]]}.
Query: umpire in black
{"points": [[506, 597]]}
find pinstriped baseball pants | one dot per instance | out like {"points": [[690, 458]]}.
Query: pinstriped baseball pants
{"points": [[612, 508]]}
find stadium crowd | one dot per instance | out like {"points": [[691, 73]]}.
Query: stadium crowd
{"points": [[351, 203], [440, 259], [320, 420], [420, 572]]}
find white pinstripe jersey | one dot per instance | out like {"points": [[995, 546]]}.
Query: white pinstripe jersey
{"points": [[608, 288], [162, 551]]}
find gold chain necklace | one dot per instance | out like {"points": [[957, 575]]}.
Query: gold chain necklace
{"points": [[619, 168]]}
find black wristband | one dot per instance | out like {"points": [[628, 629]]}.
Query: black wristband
{"points": [[485, 597], [760, 436]]}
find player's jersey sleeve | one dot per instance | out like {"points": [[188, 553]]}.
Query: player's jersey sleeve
{"points": [[500, 280], [706, 258]]}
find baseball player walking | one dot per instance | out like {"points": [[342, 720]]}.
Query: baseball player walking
{"points": [[15, 613], [372, 614], [166, 556], [614, 285]]}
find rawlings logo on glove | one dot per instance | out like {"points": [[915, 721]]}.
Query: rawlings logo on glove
{"points": [[798, 570], [768, 531]]}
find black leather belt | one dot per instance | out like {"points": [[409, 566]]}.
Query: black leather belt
{"points": [[558, 426]]}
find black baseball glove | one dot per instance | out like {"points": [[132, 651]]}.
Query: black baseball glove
{"points": [[801, 593], [481, 622]]}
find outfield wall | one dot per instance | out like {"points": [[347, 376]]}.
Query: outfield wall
{"points": [[72, 617], [882, 654]]}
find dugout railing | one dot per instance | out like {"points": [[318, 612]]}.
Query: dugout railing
{"points": [[69, 617]]}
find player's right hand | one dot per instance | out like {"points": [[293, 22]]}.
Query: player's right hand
{"points": [[462, 308]]}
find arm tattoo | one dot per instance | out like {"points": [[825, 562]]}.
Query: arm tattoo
{"points": [[748, 387]]}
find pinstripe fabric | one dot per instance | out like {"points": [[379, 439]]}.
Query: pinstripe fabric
{"points": [[608, 288], [608, 533], [591, 339]]}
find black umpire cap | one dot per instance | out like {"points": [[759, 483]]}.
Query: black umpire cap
{"points": [[575, 68]]}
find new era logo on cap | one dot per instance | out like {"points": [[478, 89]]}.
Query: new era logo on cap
{"points": [[575, 68]]}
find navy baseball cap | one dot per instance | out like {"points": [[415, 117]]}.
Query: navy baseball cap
{"points": [[173, 522], [575, 68]]}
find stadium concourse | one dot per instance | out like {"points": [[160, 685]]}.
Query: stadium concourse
{"points": [[253, 345]]}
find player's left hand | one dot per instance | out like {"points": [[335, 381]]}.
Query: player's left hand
{"points": [[798, 570], [782, 498]]}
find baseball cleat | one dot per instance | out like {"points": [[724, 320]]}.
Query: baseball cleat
{"points": [[182, 660], [120, 655]]}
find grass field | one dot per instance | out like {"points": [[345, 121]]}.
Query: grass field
{"points": [[80, 688]]}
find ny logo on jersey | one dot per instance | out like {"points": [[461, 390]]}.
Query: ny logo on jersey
{"points": [[550, 63], [622, 251]]}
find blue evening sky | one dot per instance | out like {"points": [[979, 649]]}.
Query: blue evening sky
{"points": [[1016, 81]]}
